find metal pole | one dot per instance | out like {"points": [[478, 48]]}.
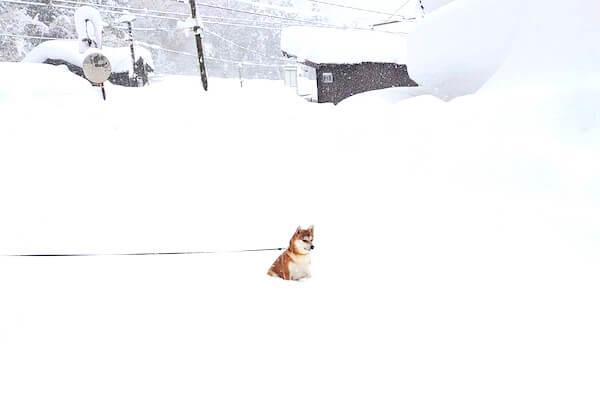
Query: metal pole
{"points": [[240, 74], [199, 46], [130, 31]]}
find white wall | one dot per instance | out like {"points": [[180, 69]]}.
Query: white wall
{"points": [[307, 82]]}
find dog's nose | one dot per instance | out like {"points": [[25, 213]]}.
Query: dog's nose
{"points": [[312, 247]]}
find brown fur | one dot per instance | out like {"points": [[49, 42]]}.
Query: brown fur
{"points": [[294, 262]]}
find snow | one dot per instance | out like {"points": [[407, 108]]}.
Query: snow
{"points": [[42, 80], [460, 47], [89, 25], [343, 46], [432, 5], [454, 51], [68, 50], [542, 54], [126, 18], [456, 242], [383, 97]]}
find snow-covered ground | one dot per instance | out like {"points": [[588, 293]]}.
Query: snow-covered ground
{"points": [[456, 242], [456, 246]]}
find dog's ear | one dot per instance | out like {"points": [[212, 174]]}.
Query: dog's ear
{"points": [[311, 229], [298, 229]]}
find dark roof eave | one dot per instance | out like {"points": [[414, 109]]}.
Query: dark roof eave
{"points": [[316, 65], [305, 62]]}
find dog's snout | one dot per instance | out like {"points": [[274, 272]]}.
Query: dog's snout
{"points": [[312, 246]]}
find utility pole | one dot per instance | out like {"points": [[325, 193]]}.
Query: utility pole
{"points": [[197, 32], [128, 20], [135, 75], [422, 7]]}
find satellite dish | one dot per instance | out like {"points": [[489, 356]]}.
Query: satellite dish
{"points": [[96, 68]]}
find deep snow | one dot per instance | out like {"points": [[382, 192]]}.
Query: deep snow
{"points": [[456, 251], [468, 44], [456, 242], [335, 46]]}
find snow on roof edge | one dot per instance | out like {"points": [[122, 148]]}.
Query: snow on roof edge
{"points": [[68, 50], [343, 46]]}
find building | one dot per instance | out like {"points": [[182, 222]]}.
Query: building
{"points": [[333, 64], [66, 52]]}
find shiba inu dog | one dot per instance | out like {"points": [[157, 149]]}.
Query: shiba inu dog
{"points": [[294, 263]]}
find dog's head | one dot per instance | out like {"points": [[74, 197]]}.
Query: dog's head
{"points": [[302, 241]]}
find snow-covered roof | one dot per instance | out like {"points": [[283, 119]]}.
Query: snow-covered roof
{"points": [[68, 50], [343, 46]]}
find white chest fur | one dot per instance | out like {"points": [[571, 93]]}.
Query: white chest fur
{"points": [[300, 267]]}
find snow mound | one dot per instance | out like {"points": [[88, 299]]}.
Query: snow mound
{"points": [[469, 44], [68, 50], [558, 50], [21, 80], [382, 97], [456, 248], [339, 46], [456, 49]]}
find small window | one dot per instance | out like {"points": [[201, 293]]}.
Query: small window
{"points": [[327, 77]]}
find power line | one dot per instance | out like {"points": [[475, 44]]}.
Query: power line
{"points": [[185, 53], [165, 17], [240, 46], [37, 4], [24, 2], [267, 15], [252, 64], [139, 10], [119, 10], [273, 28], [153, 46], [29, 36], [394, 13], [238, 20], [289, 10], [48, 5], [366, 10], [143, 11]]}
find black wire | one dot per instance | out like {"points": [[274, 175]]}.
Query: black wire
{"points": [[365, 10], [161, 253]]}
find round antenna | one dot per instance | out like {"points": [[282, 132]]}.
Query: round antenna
{"points": [[96, 68]]}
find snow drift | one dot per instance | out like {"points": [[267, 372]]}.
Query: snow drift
{"points": [[457, 49], [457, 242], [26, 81], [559, 49]]}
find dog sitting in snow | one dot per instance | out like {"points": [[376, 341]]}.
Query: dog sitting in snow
{"points": [[294, 263]]}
